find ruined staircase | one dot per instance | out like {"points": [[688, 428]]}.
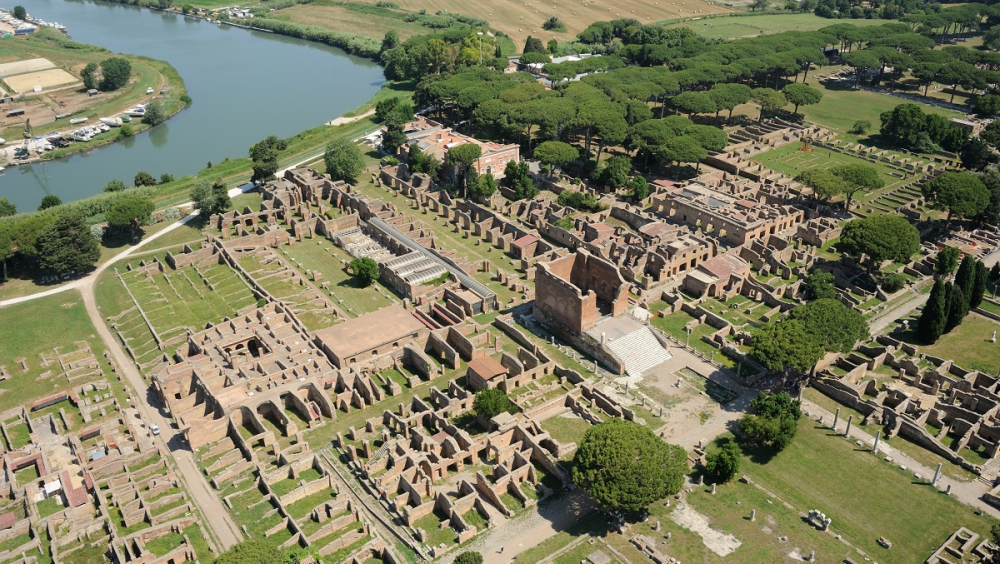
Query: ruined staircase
{"points": [[639, 350]]}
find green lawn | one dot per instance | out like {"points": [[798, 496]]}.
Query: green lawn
{"points": [[165, 544], [726, 27], [566, 429], [27, 330], [968, 344], [841, 106], [790, 160], [313, 256], [864, 496], [436, 533]]}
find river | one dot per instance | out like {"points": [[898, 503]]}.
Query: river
{"points": [[245, 84]]}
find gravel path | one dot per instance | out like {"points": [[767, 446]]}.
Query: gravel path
{"points": [[528, 529]]}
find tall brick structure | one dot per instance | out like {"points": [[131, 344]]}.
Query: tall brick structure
{"points": [[574, 291]]}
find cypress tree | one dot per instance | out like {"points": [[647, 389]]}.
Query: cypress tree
{"points": [[965, 278], [930, 326], [979, 285], [956, 308], [995, 271]]}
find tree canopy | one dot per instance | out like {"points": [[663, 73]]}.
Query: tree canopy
{"points": [[785, 346], [625, 466], [68, 247], [801, 95], [556, 153], [211, 198], [264, 156], [469, 557], [881, 238], [772, 421], [130, 214], [819, 285], [115, 73], [492, 402], [365, 270], [857, 177], [724, 464], [961, 194], [343, 160], [836, 327]]}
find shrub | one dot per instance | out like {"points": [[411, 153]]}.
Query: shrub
{"points": [[893, 282], [861, 127]]}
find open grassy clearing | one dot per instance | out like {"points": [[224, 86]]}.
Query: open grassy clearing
{"points": [[863, 495], [740, 25], [566, 429], [323, 255], [968, 344], [26, 331], [791, 160], [842, 105], [354, 17]]}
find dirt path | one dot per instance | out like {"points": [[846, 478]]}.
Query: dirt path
{"points": [[529, 529], [342, 120], [214, 515]]}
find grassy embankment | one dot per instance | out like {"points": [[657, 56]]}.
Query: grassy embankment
{"points": [[72, 56]]}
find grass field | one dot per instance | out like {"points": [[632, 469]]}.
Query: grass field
{"points": [[790, 161], [863, 495], [28, 331], [174, 300], [354, 17], [968, 344], [841, 106], [729, 27]]}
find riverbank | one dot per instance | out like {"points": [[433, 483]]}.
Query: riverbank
{"points": [[53, 109]]}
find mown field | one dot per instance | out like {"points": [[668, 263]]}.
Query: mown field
{"points": [[730, 27]]}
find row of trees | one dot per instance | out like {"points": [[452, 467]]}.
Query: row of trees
{"points": [[949, 302], [797, 342]]}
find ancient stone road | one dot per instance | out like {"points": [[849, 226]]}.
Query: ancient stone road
{"points": [[215, 518]]}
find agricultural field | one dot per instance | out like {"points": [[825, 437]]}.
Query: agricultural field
{"points": [[735, 26], [354, 17], [517, 19]]}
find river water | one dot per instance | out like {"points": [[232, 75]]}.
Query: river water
{"points": [[245, 84]]}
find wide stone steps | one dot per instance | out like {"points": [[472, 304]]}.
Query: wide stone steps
{"points": [[639, 350]]}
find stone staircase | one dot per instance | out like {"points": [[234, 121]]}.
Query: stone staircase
{"points": [[639, 350]]}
